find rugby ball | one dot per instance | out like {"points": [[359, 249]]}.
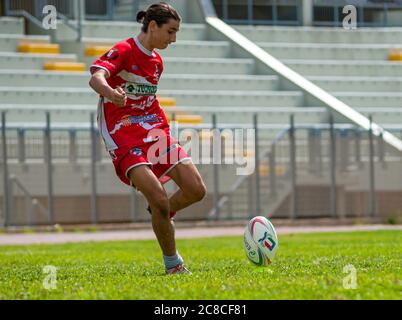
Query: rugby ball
{"points": [[260, 241]]}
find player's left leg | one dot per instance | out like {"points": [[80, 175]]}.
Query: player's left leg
{"points": [[191, 186]]}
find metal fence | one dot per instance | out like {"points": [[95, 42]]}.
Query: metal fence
{"points": [[369, 13], [301, 170], [325, 12], [326, 156], [264, 12], [274, 12], [92, 9]]}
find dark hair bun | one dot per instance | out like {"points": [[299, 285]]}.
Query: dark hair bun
{"points": [[140, 16]]}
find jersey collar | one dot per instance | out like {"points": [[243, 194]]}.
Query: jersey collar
{"points": [[141, 47]]}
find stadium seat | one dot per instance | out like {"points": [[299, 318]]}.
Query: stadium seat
{"points": [[166, 101], [395, 55], [27, 47], [95, 51], [185, 118], [265, 170], [65, 66]]}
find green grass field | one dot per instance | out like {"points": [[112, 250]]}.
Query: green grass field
{"points": [[307, 266]]}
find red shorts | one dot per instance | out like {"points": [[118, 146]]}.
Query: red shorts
{"points": [[162, 156]]}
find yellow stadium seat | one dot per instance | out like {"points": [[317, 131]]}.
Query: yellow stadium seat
{"points": [[65, 66], [265, 170], [33, 47], [167, 102], [96, 51], [395, 55], [186, 118]]}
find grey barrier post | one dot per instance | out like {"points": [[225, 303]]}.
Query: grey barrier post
{"points": [[72, 146], [21, 145], [49, 167], [357, 148], [257, 168], [133, 204], [94, 217], [216, 146], [372, 200], [272, 171], [292, 152], [6, 195], [333, 155]]}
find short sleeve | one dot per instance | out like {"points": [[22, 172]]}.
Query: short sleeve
{"points": [[112, 61]]}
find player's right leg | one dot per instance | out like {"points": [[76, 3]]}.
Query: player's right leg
{"points": [[148, 184]]}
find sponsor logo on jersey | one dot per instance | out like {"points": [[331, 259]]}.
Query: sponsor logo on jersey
{"points": [[129, 120], [136, 152], [112, 54], [140, 89]]}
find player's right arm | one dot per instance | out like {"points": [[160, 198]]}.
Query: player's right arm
{"points": [[99, 84], [109, 65]]}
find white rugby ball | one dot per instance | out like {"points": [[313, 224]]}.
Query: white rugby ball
{"points": [[260, 241]]}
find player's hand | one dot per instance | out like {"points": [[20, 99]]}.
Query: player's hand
{"points": [[119, 97]]}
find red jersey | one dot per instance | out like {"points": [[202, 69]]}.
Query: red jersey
{"points": [[137, 71]]}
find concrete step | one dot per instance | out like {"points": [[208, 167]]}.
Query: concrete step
{"points": [[218, 82], [236, 114], [314, 51], [208, 66], [10, 42], [321, 34], [370, 99], [118, 30], [80, 113], [40, 95], [26, 78], [52, 95], [42, 78], [368, 84], [188, 48], [345, 68], [90, 47], [235, 98], [202, 66], [383, 115], [11, 25], [274, 115], [26, 61], [225, 114]]}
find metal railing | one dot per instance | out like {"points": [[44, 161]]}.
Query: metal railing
{"points": [[282, 155], [320, 151], [91, 9], [290, 12], [369, 13], [275, 12]]}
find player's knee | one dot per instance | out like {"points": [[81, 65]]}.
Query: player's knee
{"points": [[199, 191], [160, 205]]}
